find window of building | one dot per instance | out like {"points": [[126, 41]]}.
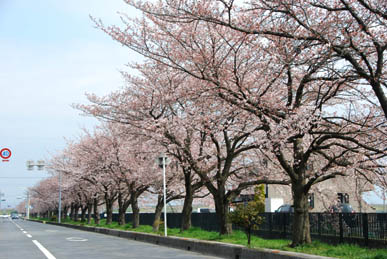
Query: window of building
{"points": [[343, 197], [311, 200]]}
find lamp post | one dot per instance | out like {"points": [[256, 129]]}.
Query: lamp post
{"points": [[60, 198], [28, 205], [163, 160], [1, 199], [30, 166]]}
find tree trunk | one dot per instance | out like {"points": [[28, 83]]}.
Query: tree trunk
{"points": [[121, 217], [96, 212], [186, 213], [135, 209], [301, 226], [187, 206], [76, 210], [380, 94], [221, 206], [89, 211], [158, 211], [83, 213], [122, 207], [65, 211], [72, 211], [109, 210], [121, 211], [249, 235]]}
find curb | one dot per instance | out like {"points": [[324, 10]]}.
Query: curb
{"points": [[213, 248]]}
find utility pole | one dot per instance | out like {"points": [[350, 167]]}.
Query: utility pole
{"points": [[60, 198], [163, 161], [1, 198], [28, 205], [30, 166]]}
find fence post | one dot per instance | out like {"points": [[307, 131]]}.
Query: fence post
{"points": [[319, 224], [365, 228], [284, 224], [341, 228], [270, 216]]}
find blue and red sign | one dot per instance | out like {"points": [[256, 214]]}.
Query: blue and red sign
{"points": [[5, 154]]}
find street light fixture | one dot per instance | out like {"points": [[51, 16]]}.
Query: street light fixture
{"points": [[163, 161], [40, 164], [1, 199]]}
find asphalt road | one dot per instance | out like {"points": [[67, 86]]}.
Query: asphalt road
{"points": [[32, 240]]}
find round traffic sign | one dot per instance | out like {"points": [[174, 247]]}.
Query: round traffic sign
{"points": [[5, 153]]}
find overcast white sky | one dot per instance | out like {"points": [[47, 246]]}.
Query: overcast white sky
{"points": [[50, 56]]}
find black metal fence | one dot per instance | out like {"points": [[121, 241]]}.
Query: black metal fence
{"points": [[369, 229], [207, 221]]}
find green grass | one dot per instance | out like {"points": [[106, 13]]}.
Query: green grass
{"points": [[346, 251]]}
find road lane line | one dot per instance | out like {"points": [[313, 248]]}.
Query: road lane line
{"points": [[76, 239], [28, 235], [17, 225], [44, 250]]}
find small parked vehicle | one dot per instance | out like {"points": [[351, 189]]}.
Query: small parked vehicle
{"points": [[342, 208], [349, 215], [285, 208]]}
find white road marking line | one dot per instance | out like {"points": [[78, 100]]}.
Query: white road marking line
{"points": [[25, 232], [76, 239], [17, 225], [44, 250]]}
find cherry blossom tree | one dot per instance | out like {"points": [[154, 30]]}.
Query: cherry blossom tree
{"points": [[289, 92], [89, 164], [44, 194], [202, 139], [352, 31], [173, 192]]}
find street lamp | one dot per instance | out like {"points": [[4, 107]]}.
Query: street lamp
{"points": [[60, 198], [1, 199], [26, 200], [28, 205], [40, 166], [163, 161]]}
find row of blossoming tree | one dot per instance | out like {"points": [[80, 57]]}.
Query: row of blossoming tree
{"points": [[236, 94]]}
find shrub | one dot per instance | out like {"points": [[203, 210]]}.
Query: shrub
{"points": [[247, 216]]}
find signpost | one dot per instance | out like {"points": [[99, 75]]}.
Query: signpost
{"points": [[5, 154]]}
